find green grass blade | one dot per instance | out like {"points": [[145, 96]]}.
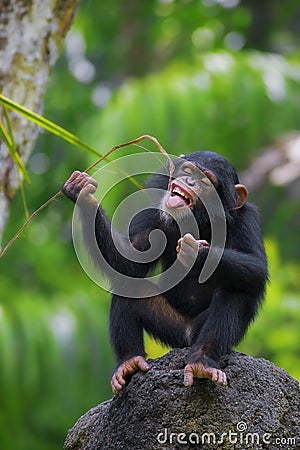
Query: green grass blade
{"points": [[5, 136], [24, 199], [8, 124], [13, 153], [46, 124]]}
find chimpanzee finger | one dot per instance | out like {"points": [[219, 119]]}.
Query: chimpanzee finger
{"points": [[74, 175], [184, 258], [116, 387], [82, 178], [73, 183], [214, 375], [188, 376], [69, 184], [117, 381], [222, 379], [119, 378], [88, 189], [142, 364], [188, 237], [92, 181], [218, 376], [190, 242], [84, 184]]}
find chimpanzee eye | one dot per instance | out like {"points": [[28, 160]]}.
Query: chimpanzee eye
{"points": [[206, 181], [188, 170], [210, 178]]}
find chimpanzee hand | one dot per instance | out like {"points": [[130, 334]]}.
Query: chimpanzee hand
{"points": [[199, 371], [128, 367], [81, 183], [187, 246]]}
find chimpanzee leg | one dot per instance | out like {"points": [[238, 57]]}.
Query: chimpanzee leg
{"points": [[129, 317], [229, 316]]}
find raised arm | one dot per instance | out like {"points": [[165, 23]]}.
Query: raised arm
{"points": [[101, 239]]}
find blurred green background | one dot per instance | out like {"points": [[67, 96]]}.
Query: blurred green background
{"points": [[222, 75]]}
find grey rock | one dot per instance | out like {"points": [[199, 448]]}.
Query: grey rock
{"points": [[259, 409]]}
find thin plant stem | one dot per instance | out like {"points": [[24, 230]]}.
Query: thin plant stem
{"points": [[54, 197]]}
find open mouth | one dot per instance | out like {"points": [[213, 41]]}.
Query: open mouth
{"points": [[179, 197]]}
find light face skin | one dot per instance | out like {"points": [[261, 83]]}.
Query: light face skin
{"points": [[185, 191]]}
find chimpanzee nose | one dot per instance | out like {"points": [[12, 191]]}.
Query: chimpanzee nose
{"points": [[190, 181]]}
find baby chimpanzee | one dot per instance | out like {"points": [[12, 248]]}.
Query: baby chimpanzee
{"points": [[209, 317]]}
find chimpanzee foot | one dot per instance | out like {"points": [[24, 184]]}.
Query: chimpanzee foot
{"points": [[128, 367], [199, 371]]}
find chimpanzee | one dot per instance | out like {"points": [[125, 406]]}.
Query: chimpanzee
{"points": [[209, 317]]}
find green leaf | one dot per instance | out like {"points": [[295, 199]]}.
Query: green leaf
{"points": [[9, 142], [46, 124]]}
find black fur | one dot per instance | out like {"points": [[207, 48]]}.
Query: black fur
{"points": [[210, 317]]}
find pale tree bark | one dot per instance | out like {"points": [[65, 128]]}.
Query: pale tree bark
{"points": [[31, 34]]}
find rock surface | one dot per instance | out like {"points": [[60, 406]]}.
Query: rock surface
{"points": [[259, 409]]}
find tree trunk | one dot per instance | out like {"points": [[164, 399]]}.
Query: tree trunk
{"points": [[31, 35]]}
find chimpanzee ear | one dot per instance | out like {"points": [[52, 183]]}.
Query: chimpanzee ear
{"points": [[242, 195]]}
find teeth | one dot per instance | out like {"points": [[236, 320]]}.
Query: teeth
{"points": [[177, 190]]}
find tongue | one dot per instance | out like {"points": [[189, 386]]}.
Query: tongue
{"points": [[175, 201]]}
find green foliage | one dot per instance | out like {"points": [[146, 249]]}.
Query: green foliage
{"points": [[38, 120], [55, 360], [227, 103], [134, 38], [275, 335], [54, 353], [7, 137]]}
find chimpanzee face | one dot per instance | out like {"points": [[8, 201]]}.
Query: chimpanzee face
{"points": [[188, 186]]}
